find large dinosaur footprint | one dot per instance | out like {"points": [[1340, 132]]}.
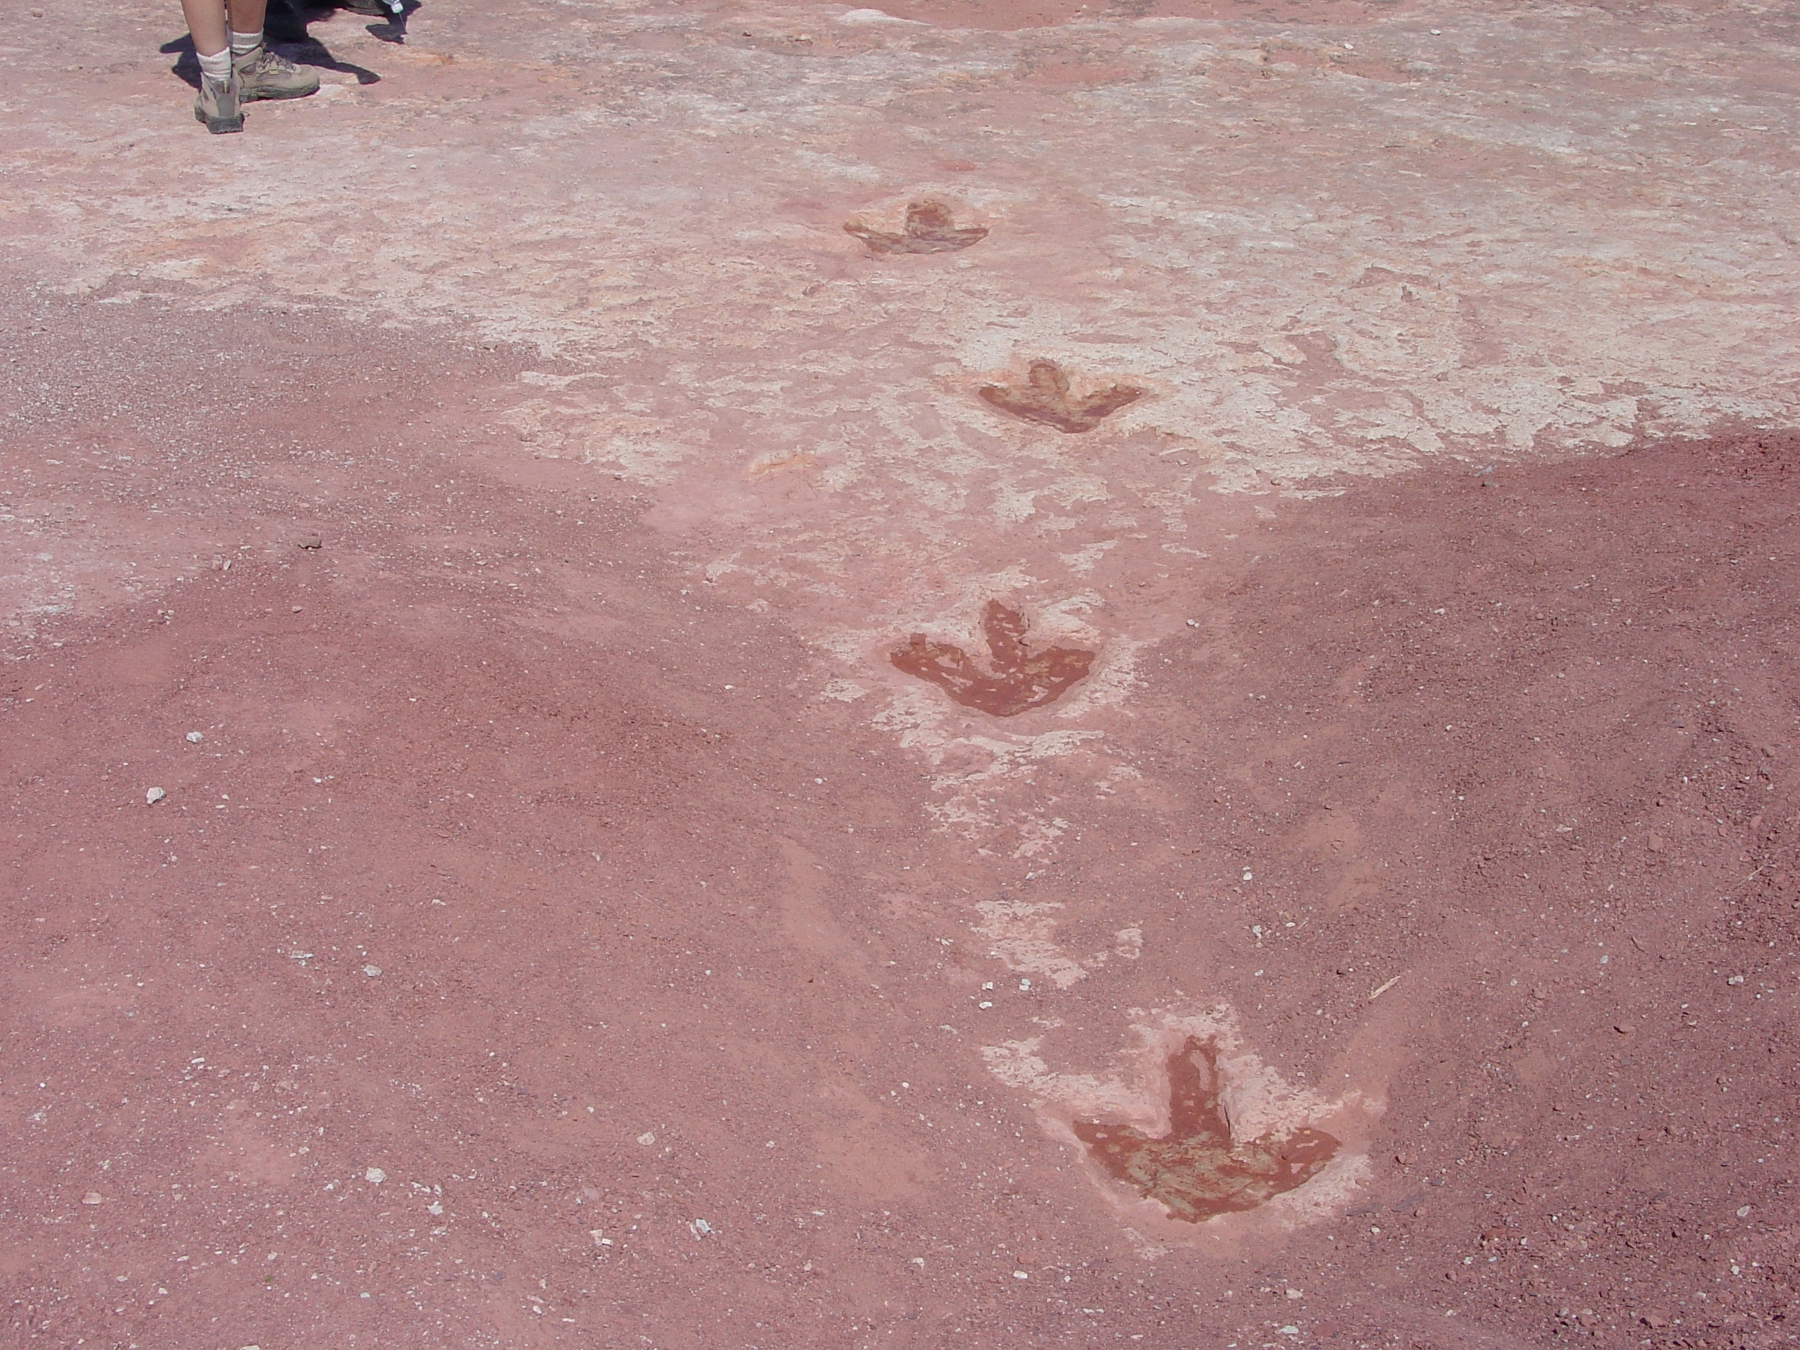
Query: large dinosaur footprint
{"points": [[1045, 397], [929, 228], [1197, 1170], [1021, 679]]}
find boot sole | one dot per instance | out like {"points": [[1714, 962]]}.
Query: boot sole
{"points": [[274, 98], [219, 126]]}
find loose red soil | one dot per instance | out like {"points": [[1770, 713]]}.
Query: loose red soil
{"points": [[526, 955]]}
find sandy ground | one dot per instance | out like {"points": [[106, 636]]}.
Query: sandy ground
{"points": [[662, 663]]}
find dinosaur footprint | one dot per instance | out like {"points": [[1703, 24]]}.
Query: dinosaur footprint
{"points": [[1045, 398], [1197, 1170], [929, 228], [1021, 679]]}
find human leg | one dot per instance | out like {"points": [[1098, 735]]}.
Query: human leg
{"points": [[217, 105], [247, 15], [206, 23]]}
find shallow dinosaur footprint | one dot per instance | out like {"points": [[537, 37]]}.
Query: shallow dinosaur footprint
{"points": [[929, 228], [1197, 1170], [1045, 398], [1021, 679]]}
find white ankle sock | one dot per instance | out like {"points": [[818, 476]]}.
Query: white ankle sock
{"points": [[217, 66], [242, 44]]}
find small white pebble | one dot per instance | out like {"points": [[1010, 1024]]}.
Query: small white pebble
{"points": [[375, 1176], [154, 795], [371, 971], [194, 738], [646, 1138], [1020, 1275]]}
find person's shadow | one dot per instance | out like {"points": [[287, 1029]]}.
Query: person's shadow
{"points": [[285, 27], [391, 19]]}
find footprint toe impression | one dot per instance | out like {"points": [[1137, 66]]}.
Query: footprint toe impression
{"points": [[1197, 1170], [1021, 679], [930, 228], [1045, 398]]}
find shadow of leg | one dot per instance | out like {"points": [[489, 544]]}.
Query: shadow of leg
{"points": [[287, 26], [394, 30], [187, 61], [312, 52]]}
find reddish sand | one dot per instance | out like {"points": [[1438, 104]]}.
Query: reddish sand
{"points": [[1005, 15], [1009, 15], [524, 955]]}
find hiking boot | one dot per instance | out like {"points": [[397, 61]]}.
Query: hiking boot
{"points": [[264, 73], [217, 105]]}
